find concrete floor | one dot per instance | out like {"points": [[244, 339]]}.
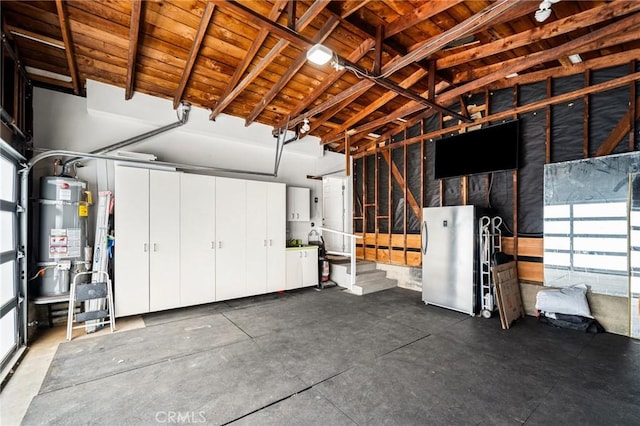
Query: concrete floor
{"points": [[330, 358]]}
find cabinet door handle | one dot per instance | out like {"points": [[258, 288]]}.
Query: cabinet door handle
{"points": [[219, 244], [155, 246], [270, 242], [297, 215], [213, 245], [305, 254], [265, 243], [144, 247]]}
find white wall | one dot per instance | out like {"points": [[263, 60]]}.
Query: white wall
{"points": [[69, 122]]}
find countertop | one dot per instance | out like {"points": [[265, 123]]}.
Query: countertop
{"points": [[302, 247]]}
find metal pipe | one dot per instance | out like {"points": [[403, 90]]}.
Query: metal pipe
{"points": [[9, 121], [182, 120], [59, 152]]}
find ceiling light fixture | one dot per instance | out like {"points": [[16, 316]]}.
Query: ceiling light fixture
{"points": [[48, 74], [319, 54], [575, 59], [544, 11], [305, 126]]}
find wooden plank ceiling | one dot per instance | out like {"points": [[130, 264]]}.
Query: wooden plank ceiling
{"points": [[248, 58]]}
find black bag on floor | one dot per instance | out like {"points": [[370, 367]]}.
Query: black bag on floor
{"points": [[574, 322]]}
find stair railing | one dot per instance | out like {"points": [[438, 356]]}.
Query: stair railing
{"points": [[352, 255]]}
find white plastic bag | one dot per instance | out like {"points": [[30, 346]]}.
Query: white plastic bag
{"points": [[568, 300]]}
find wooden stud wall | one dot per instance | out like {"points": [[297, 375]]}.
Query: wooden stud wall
{"points": [[404, 249]]}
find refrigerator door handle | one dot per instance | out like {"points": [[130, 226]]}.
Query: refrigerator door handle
{"points": [[425, 237]]}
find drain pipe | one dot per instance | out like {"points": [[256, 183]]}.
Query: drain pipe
{"points": [[182, 120]]}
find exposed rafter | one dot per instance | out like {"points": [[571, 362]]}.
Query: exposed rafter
{"points": [[193, 53], [380, 80], [552, 29], [355, 56], [301, 24], [418, 15], [68, 47], [132, 56], [275, 12], [298, 63]]}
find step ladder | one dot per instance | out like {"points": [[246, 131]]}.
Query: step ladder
{"points": [[100, 255], [90, 292]]}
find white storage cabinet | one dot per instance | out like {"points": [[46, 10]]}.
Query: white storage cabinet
{"points": [[298, 204]]}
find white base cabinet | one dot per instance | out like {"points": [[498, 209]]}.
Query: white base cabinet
{"points": [[302, 268]]}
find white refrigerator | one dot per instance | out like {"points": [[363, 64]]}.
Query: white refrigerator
{"points": [[449, 246]]}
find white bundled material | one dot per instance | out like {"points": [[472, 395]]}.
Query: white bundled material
{"points": [[569, 301]]}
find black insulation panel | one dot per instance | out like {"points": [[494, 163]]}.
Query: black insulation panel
{"points": [[567, 120], [397, 194], [452, 192], [358, 180], [431, 186], [607, 108]]}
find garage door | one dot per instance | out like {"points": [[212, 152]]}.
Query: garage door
{"points": [[10, 306]]}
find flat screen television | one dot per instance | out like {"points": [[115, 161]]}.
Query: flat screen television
{"points": [[490, 149]]}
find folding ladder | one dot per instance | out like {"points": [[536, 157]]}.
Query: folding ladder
{"points": [[100, 256], [90, 292]]}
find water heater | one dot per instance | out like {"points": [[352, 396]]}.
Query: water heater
{"points": [[62, 233]]}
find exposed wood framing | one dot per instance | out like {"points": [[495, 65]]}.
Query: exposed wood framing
{"points": [[223, 101], [395, 172], [355, 56], [547, 139], [600, 87], [288, 36], [620, 130], [132, 54], [549, 30], [193, 53], [585, 120], [68, 47], [298, 63], [419, 14], [488, 15]]}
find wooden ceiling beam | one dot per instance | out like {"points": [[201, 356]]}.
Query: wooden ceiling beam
{"points": [[274, 14], [381, 80], [68, 47], [544, 56], [483, 18], [298, 63], [615, 39], [470, 25], [378, 103], [193, 53], [534, 35], [557, 72], [419, 14], [328, 114], [314, 10], [132, 54], [349, 7]]}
